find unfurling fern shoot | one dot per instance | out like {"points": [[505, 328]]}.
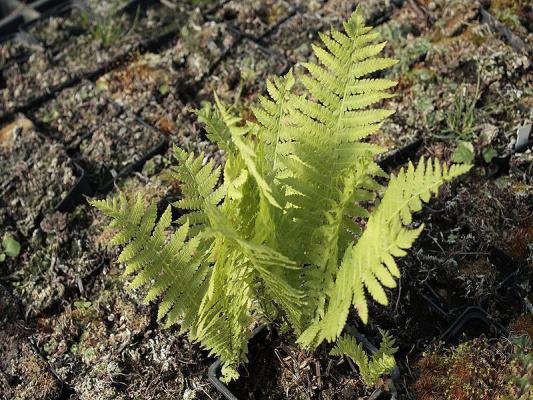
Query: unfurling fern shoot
{"points": [[286, 231]]}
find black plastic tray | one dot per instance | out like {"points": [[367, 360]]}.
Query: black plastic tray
{"points": [[14, 14], [77, 193], [55, 6], [400, 155], [58, 10], [210, 16], [160, 148]]}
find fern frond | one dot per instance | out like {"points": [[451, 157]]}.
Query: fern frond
{"points": [[239, 264], [272, 267], [369, 265], [271, 114], [199, 188], [329, 168], [382, 362], [246, 151], [176, 270], [326, 129], [347, 345], [126, 216], [387, 344], [215, 127], [225, 317]]}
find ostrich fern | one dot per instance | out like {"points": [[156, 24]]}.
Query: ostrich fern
{"points": [[286, 232]]}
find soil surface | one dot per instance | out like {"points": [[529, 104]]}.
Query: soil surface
{"points": [[110, 92]]}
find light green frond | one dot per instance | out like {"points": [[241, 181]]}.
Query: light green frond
{"points": [[331, 239], [175, 269], [327, 125], [125, 216], [268, 265], [199, 187], [382, 362], [246, 151], [347, 345], [369, 265], [225, 317], [216, 129], [270, 114]]}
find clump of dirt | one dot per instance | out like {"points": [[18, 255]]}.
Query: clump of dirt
{"points": [[107, 344], [134, 85], [30, 80], [12, 50], [240, 78], [295, 36], [201, 45], [53, 32], [55, 261]]}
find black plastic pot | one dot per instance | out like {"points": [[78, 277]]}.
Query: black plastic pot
{"points": [[13, 13], [400, 155], [434, 300], [209, 15], [472, 323], [77, 194], [390, 393], [160, 148]]}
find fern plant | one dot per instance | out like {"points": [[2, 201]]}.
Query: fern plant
{"points": [[283, 229], [382, 362]]}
